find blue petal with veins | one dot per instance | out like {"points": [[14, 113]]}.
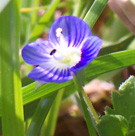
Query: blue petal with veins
{"points": [[71, 46]]}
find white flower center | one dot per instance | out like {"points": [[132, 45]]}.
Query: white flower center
{"points": [[63, 55], [68, 57]]}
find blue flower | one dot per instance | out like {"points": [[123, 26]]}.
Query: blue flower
{"points": [[71, 46]]}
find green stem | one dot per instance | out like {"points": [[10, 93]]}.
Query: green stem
{"points": [[87, 115], [92, 110]]}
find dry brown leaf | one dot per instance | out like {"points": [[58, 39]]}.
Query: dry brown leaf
{"points": [[126, 12]]}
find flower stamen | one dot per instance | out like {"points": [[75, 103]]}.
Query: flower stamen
{"points": [[58, 32]]}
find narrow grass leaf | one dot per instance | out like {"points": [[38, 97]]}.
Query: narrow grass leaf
{"points": [[109, 63], [30, 95], [11, 95], [94, 12], [40, 115]]}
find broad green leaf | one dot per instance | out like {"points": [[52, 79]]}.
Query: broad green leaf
{"points": [[123, 102], [11, 95], [40, 115], [112, 125]]}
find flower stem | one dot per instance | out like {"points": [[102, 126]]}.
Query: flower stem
{"points": [[87, 108], [89, 104]]}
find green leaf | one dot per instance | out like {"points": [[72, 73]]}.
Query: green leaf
{"points": [[109, 63], [123, 102], [11, 95], [40, 115], [94, 12], [30, 95], [112, 125]]}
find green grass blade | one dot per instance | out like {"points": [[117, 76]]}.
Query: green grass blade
{"points": [[120, 45], [38, 29], [11, 95], [99, 66], [110, 62], [94, 12], [30, 95], [40, 115], [50, 122]]}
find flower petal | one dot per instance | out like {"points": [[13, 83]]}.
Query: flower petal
{"points": [[74, 30], [90, 48], [46, 74], [36, 53]]}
